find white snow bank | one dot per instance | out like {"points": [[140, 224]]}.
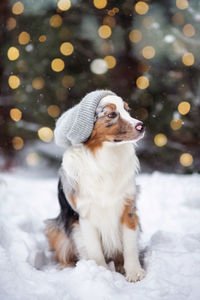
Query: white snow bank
{"points": [[169, 209]]}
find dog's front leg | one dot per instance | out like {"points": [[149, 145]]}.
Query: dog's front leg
{"points": [[92, 243], [129, 220]]}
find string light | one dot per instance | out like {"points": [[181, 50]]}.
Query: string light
{"points": [[13, 82], [55, 21], [17, 143], [182, 4], [98, 66], [135, 36], [100, 3], [66, 48], [184, 108], [176, 124], [53, 111], [142, 82], [186, 159], [11, 23], [68, 81], [141, 7], [24, 38], [188, 59], [148, 52], [15, 114], [32, 159], [45, 134], [42, 38], [13, 53], [104, 31], [160, 140], [57, 64], [64, 5], [111, 61], [18, 8], [188, 30], [38, 83]]}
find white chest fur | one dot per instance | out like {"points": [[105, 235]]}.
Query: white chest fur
{"points": [[104, 181]]}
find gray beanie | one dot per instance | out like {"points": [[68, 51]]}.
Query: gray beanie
{"points": [[76, 124]]}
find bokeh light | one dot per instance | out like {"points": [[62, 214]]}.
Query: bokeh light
{"points": [[13, 53], [66, 48], [98, 66], [17, 143], [148, 52], [111, 61], [160, 140], [176, 124], [141, 113], [11, 23], [188, 30], [178, 19], [53, 111], [104, 31], [110, 21], [64, 4], [135, 36], [42, 38], [141, 7], [13, 81], [142, 82], [100, 3], [15, 114], [32, 159], [186, 159], [18, 8], [55, 21], [182, 4], [68, 81], [188, 59], [38, 83], [184, 107], [57, 64], [24, 38], [45, 134]]}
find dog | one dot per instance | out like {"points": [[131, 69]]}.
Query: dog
{"points": [[97, 194]]}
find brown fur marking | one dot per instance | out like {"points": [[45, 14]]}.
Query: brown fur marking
{"points": [[129, 217], [58, 241], [73, 199]]}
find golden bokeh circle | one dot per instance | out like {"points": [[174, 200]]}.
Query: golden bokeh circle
{"points": [[100, 3], [188, 59], [188, 30], [53, 111], [176, 124], [38, 83], [11, 23], [42, 38], [160, 140], [64, 5], [13, 53], [111, 61], [15, 114], [66, 48], [148, 52], [142, 82], [45, 134], [13, 82], [135, 36], [182, 4], [17, 143], [24, 38], [141, 7], [184, 107], [68, 81], [186, 159], [104, 31], [18, 8], [57, 65], [55, 21]]}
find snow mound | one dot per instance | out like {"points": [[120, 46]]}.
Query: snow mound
{"points": [[169, 209]]}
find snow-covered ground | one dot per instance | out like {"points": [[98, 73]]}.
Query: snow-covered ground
{"points": [[169, 209]]}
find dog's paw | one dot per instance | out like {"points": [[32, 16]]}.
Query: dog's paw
{"points": [[135, 275]]}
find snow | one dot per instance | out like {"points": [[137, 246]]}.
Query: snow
{"points": [[169, 209]]}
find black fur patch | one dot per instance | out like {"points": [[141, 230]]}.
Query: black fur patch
{"points": [[67, 215]]}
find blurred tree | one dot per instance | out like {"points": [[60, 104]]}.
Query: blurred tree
{"points": [[147, 53]]}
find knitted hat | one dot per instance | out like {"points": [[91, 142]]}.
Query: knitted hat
{"points": [[76, 124]]}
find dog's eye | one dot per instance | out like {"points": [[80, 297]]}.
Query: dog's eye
{"points": [[112, 115]]}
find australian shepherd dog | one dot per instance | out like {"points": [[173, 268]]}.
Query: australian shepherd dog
{"points": [[97, 194]]}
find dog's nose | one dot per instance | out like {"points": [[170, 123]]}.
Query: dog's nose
{"points": [[140, 126]]}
